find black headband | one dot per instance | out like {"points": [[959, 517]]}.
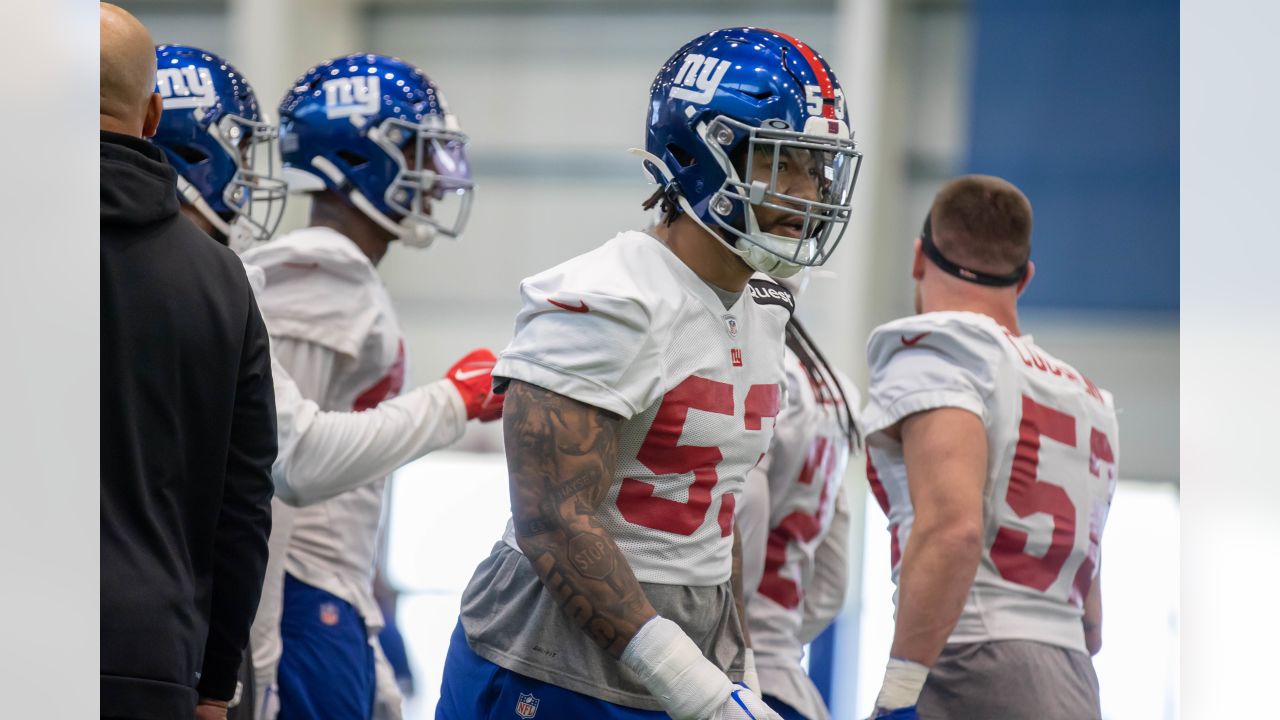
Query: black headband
{"points": [[931, 251]]}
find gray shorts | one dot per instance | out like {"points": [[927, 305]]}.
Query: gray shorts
{"points": [[1010, 680], [512, 621]]}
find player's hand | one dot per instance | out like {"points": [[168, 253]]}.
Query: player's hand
{"points": [[472, 376], [208, 709], [743, 704], [905, 713]]}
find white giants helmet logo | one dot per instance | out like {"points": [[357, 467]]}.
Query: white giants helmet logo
{"points": [[352, 96]]}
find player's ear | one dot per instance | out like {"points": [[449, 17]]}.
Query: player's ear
{"points": [[155, 106], [917, 262], [1026, 279]]}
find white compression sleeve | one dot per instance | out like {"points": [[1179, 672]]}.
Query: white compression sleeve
{"points": [[672, 668], [339, 451]]}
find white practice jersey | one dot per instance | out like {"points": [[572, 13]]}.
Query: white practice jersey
{"points": [[629, 328], [801, 586], [323, 454], [1052, 449], [334, 330]]}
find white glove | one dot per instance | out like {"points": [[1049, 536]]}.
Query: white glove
{"points": [[743, 704], [750, 677], [689, 686], [672, 668]]}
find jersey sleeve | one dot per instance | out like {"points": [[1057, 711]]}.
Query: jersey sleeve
{"points": [[310, 366], [579, 340], [294, 415], [318, 296], [340, 451], [923, 363]]}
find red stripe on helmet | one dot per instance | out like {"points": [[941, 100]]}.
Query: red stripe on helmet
{"points": [[825, 83]]}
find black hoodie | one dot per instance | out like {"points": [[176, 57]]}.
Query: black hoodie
{"points": [[188, 438]]}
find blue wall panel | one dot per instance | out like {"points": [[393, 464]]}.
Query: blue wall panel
{"points": [[1076, 102]]}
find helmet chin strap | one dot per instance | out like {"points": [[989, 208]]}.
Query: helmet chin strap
{"points": [[193, 198], [765, 261], [409, 231], [417, 234], [761, 259], [413, 233], [756, 257]]}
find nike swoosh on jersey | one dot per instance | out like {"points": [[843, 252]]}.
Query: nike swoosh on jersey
{"points": [[912, 341], [580, 307], [461, 376]]}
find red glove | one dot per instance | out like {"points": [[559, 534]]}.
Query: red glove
{"points": [[472, 377]]}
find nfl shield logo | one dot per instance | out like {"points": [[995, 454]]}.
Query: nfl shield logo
{"points": [[527, 706], [731, 325], [329, 614]]}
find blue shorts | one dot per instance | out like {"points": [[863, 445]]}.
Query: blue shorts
{"points": [[476, 689], [786, 711], [326, 662]]}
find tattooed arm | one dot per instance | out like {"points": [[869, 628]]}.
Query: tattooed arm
{"points": [[561, 455]]}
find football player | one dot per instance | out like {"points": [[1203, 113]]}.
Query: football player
{"points": [[643, 383], [216, 137], [224, 150], [794, 521], [372, 139], [995, 463]]}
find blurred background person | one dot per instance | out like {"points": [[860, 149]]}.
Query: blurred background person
{"points": [[371, 138], [995, 463], [794, 520], [188, 421], [223, 147]]}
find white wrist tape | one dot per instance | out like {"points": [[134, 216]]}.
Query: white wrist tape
{"points": [[672, 668], [903, 680], [750, 677]]}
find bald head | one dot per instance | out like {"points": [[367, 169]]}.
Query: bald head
{"points": [[127, 74], [982, 222]]}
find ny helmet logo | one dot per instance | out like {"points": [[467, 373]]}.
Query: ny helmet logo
{"points": [[698, 78], [526, 706], [348, 96], [186, 87]]}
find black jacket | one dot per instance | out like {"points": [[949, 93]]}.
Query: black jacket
{"points": [[188, 438]]}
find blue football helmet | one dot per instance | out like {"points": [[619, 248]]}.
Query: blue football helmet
{"points": [[729, 102], [222, 146], [376, 131]]}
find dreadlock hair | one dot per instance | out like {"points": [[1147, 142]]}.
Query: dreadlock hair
{"points": [[822, 377], [670, 206]]}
